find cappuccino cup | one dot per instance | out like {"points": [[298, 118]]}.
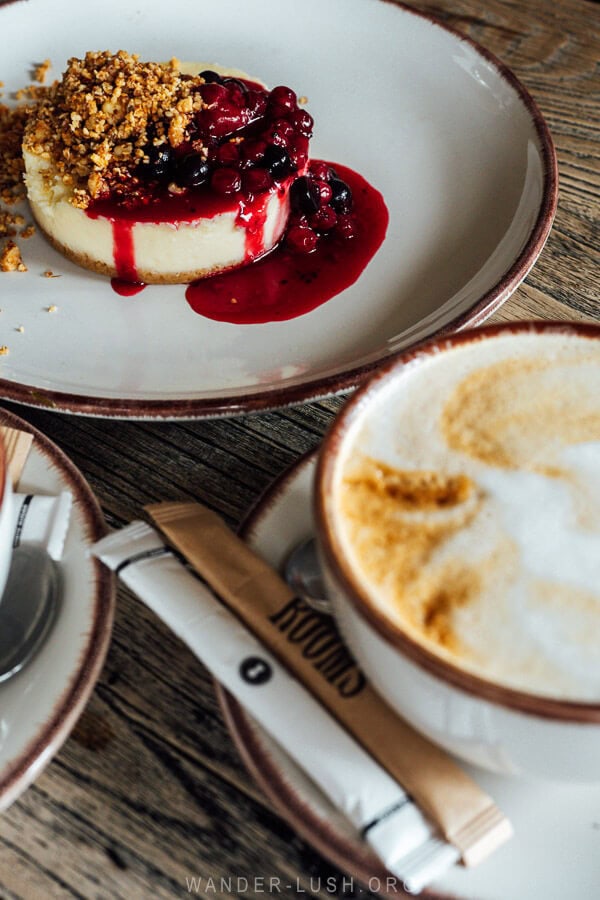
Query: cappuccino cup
{"points": [[457, 502]]}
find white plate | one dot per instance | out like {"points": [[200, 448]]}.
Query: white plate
{"points": [[40, 705], [453, 141], [554, 853]]}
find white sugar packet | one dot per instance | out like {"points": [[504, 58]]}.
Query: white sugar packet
{"points": [[42, 520], [378, 806]]}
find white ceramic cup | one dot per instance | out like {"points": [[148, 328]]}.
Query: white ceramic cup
{"points": [[498, 727], [5, 519]]}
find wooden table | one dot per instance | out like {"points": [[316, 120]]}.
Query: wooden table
{"points": [[149, 789]]}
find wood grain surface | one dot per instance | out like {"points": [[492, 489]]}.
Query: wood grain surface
{"points": [[149, 790]]}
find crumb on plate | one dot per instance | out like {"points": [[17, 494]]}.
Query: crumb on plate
{"points": [[11, 259], [41, 70]]}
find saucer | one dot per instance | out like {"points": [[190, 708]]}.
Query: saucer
{"points": [[555, 849], [40, 705]]}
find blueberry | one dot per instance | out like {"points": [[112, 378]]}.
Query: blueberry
{"points": [[210, 76], [304, 196], [237, 82], [341, 198], [159, 162], [277, 161], [191, 170]]}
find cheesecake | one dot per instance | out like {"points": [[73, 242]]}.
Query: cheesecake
{"points": [[163, 172]]}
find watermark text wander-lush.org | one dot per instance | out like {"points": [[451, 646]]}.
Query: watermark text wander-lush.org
{"points": [[256, 886]]}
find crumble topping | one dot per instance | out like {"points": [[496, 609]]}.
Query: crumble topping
{"points": [[40, 72], [10, 258], [97, 123], [9, 223], [12, 126]]}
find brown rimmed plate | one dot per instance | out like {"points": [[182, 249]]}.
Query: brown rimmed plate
{"points": [[40, 705], [442, 128], [554, 853]]}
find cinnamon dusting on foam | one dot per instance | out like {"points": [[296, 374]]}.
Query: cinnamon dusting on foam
{"points": [[394, 541], [519, 413]]}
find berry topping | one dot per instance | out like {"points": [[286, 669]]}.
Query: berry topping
{"points": [[304, 196], [256, 181], [235, 82], [298, 151], [325, 191], [279, 132], [226, 181], [345, 227], [301, 239], [253, 151], [324, 219], [191, 170], [222, 120], [302, 122], [214, 92], [228, 155], [282, 100], [277, 161], [237, 90], [341, 199], [210, 76], [321, 170], [159, 162], [320, 203], [256, 102]]}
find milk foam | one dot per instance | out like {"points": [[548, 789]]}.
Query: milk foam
{"points": [[516, 582]]}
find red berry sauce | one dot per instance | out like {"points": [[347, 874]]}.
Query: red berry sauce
{"points": [[244, 145], [281, 285], [286, 284]]}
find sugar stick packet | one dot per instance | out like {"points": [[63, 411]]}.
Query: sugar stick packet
{"points": [[376, 804], [310, 646]]}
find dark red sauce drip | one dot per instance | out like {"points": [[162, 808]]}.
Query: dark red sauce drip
{"points": [[123, 250], [283, 285], [126, 288], [253, 219]]}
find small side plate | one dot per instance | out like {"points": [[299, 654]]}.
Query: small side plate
{"points": [[40, 705]]}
